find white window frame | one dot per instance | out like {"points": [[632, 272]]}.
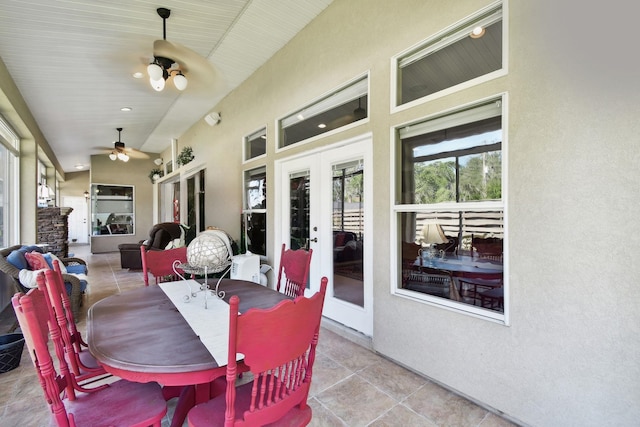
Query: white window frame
{"points": [[262, 132], [247, 210], [397, 208], [323, 103], [10, 141], [446, 37]]}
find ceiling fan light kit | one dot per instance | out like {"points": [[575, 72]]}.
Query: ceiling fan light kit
{"points": [[161, 69], [118, 152]]}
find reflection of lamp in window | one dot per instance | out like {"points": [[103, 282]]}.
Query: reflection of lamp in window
{"points": [[432, 235]]}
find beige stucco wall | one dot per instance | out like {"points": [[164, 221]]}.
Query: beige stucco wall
{"points": [[569, 354], [75, 184], [134, 172]]}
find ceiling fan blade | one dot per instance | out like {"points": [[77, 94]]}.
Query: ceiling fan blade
{"points": [[135, 154], [201, 74], [105, 149]]}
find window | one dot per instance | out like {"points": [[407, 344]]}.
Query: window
{"points": [[112, 210], [9, 201], [347, 105], [461, 53], [195, 205], [254, 214], [255, 145], [450, 212]]}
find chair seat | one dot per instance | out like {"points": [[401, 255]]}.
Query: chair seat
{"points": [[211, 413], [118, 405], [88, 360], [492, 296]]}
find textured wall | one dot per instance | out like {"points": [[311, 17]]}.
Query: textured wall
{"points": [[134, 172], [569, 355]]}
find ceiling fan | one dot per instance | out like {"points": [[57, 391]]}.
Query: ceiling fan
{"points": [[181, 65], [121, 152]]}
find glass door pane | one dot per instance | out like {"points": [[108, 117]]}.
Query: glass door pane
{"points": [[299, 210], [348, 232]]}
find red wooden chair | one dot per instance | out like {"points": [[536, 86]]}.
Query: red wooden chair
{"points": [[295, 265], [119, 403], [83, 365], [279, 347], [160, 263]]}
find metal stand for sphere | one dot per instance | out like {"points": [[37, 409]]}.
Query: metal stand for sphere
{"points": [[204, 287]]}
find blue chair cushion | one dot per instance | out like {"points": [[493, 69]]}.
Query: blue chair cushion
{"points": [[83, 286], [32, 248], [77, 269]]}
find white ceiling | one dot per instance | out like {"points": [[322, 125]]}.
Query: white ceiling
{"points": [[73, 61]]}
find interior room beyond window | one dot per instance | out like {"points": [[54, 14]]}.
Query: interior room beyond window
{"points": [[451, 214], [467, 51], [340, 108], [254, 214]]}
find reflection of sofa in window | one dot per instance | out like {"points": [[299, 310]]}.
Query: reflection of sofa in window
{"points": [[160, 236], [346, 246]]}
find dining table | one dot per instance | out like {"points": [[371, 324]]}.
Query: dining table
{"points": [[142, 335], [464, 269]]}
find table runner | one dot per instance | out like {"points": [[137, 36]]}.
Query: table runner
{"points": [[211, 325]]}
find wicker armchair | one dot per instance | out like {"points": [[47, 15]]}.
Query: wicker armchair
{"points": [[13, 272]]}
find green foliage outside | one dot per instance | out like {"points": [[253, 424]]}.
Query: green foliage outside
{"points": [[480, 179]]}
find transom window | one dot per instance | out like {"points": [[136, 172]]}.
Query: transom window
{"points": [[255, 145], [340, 108], [450, 212], [465, 51]]}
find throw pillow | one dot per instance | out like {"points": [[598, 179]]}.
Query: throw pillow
{"points": [[49, 258], [28, 277], [36, 261], [17, 259]]}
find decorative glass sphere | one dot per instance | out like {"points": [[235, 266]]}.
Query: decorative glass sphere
{"points": [[209, 250]]}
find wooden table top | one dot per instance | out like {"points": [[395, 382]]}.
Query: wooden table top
{"points": [[139, 335]]}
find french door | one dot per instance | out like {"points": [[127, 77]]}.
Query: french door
{"points": [[324, 204]]}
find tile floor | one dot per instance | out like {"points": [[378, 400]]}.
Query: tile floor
{"points": [[352, 386]]}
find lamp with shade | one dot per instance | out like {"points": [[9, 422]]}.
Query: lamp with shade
{"points": [[430, 236]]}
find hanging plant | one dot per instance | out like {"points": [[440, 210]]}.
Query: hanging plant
{"points": [[155, 174], [185, 156]]}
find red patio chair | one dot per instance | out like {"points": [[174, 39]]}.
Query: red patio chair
{"points": [[83, 365], [295, 266], [279, 347], [160, 263], [119, 403]]}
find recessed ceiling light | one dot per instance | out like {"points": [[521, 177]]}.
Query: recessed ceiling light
{"points": [[138, 75], [79, 166], [477, 32], [126, 109], [322, 126]]}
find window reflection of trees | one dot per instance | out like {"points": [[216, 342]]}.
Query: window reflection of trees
{"points": [[458, 164]]}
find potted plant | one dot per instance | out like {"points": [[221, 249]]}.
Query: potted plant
{"points": [[155, 174], [185, 156]]}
